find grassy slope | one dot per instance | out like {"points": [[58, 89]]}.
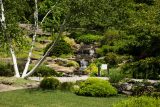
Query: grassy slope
{"points": [[37, 98]]}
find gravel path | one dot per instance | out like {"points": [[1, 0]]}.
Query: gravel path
{"points": [[67, 79]]}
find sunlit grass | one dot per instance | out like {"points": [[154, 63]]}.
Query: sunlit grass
{"points": [[38, 98]]}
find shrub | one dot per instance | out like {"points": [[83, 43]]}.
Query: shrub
{"points": [[95, 87], [60, 48], [67, 86], [92, 69], [88, 39], [49, 83], [44, 71], [139, 102], [6, 70], [112, 59], [70, 41], [115, 76], [148, 68], [155, 94], [72, 63]]}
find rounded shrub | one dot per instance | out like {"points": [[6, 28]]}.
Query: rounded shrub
{"points": [[45, 71], [6, 70], [92, 70], [88, 38], [112, 58], [49, 83], [67, 86], [95, 87], [59, 49], [148, 68], [139, 102]]}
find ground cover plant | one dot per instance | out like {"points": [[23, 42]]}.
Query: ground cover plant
{"points": [[139, 102]]}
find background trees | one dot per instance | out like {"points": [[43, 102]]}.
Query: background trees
{"points": [[128, 27]]}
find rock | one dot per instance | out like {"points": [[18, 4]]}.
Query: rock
{"points": [[127, 92]]}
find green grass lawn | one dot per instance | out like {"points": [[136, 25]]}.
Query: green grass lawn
{"points": [[38, 98]]}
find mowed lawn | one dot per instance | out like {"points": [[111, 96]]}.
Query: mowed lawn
{"points": [[38, 98]]}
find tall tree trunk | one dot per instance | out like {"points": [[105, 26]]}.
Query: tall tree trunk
{"points": [[9, 42], [33, 40], [14, 59], [48, 51]]}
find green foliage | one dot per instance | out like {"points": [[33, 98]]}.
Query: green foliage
{"points": [[6, 70], [110, 37], [88, 39], [49, 83], [149, 2], [115, 75], [72, 63], [60, 48], [96, 87], [155, 94], [147, 68], [92, 69], [157, 86], [139, 102], [44, 71], [67, 86], [112, 59]]}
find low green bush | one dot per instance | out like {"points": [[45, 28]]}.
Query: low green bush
{"points": [[88, 38], [49, 83], [44, 71], [112, 59], [139, 102], [92, 70], [67, 86], [6, 70], [115, 76], [72, 64], [59, 49], [95, 87]]}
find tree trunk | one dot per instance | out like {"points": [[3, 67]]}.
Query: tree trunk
{"points": [[33, 40], [14, 59], [46, 54], [11, 49]]}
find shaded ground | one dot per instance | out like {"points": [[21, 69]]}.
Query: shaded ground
{"points": [[12, 83]]}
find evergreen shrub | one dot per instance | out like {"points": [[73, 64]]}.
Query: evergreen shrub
{"points": [[49, 83], [95, 87]]}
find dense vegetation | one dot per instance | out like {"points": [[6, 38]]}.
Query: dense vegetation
{"points": [[139, 102], [129, 29]]}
